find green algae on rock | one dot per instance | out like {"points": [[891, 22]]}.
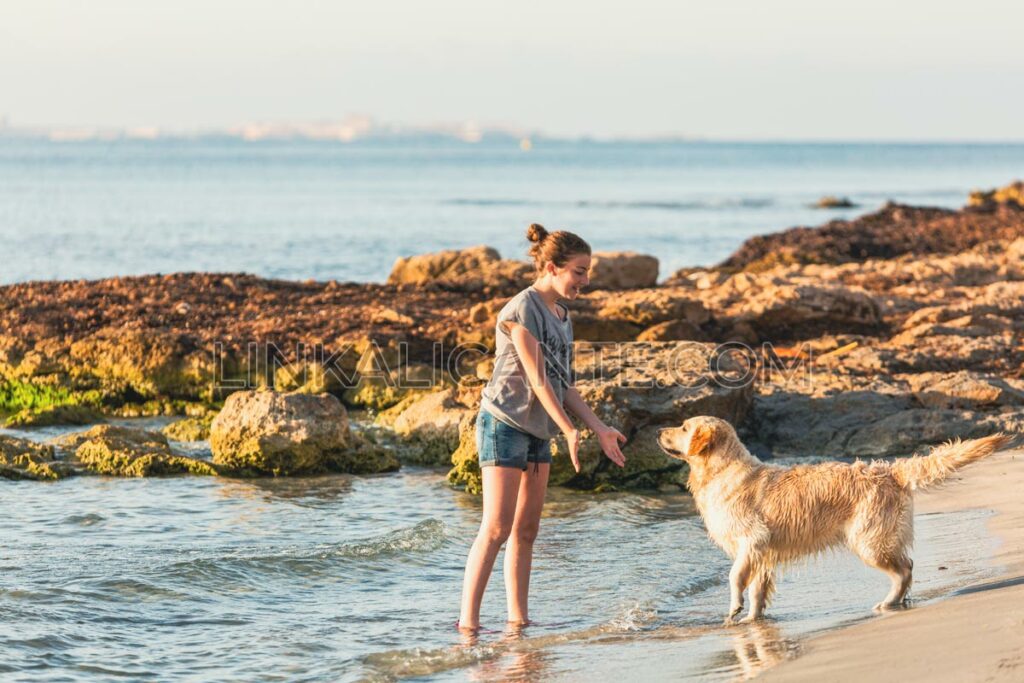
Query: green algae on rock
{"points": [[465, 471], [190, 428], [24, 459], [128, 452], [150, 363], [55, 415]]}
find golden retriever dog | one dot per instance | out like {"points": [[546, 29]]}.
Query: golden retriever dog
{"points": [[764, 516]]}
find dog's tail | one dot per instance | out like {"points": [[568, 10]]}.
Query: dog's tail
{"points": [[923, 471]]}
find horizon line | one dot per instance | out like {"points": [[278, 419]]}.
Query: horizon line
{"points": [[351, 130]]}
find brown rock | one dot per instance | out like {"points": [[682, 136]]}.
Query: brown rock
{"points": [[471, 269], [963, 390], [889, 232], [273, 433], [622, 270], [1011, 195], [128, 452], [24, 459], [787, 311], [672, 330], [429, 427]]}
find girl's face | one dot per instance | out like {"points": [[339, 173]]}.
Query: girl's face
{"points": [[567, 281]]}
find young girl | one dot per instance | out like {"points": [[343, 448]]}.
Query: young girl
{"points": [[523, 407]]}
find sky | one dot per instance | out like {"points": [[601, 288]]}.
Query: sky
{"points": [[725, 69]]}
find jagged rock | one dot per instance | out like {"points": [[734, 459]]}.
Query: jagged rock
{"points": [[127, 452], [24, 459], [893, 230], [280, 434], [622, 270]]}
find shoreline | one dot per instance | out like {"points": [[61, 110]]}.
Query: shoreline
{"points": [[929, 642]]}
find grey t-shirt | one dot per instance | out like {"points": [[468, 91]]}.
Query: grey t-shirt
{"points": [[508, 395]]}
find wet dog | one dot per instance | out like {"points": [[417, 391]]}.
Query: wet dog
{"points": [[764, 516]]}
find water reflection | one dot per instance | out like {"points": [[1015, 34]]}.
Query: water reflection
{"points": [[312, 492], [759, 646], [522, 661]]}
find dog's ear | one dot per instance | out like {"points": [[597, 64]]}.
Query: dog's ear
{"points": [[702, 440]]}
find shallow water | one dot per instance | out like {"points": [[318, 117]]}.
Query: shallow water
{"points": [[345, 578]]}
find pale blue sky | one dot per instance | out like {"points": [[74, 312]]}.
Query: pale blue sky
{"points": [[773, 69]]}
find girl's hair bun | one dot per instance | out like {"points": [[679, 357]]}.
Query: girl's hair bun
{"points": [[536, 232], [558, 246]]}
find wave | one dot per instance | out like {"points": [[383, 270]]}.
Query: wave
{"points": [[89, 519], [245, 564], [642, 204]]}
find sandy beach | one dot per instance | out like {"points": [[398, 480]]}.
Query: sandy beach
{"points": [[975, 635]]}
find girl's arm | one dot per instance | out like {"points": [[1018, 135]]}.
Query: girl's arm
{"points": [[528, 349], [608, 437]]}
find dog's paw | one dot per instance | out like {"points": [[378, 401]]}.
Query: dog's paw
{"points": [[889, 606], [730, 620], [750, 619]]}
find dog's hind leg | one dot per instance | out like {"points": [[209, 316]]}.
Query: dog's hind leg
{"points": [[901, 572], [761, 587], [739, 578], [881, 535], [900, 568]]}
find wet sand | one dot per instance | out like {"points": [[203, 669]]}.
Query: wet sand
{"points": [[975, 635]]}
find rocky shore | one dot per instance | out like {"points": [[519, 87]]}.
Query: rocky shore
{"points": [[870, 337]]}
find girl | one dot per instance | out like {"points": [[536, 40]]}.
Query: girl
{"points": [[523, 407]]}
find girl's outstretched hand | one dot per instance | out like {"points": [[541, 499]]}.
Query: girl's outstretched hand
{"points": [[572, 438], [610, 438]]}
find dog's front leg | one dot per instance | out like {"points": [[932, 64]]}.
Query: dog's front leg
{"points": [[739, 577]]}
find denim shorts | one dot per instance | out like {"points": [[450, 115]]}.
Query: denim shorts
{"points": [[505, 446]]}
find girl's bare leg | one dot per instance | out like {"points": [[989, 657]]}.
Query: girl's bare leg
{"points": [[500, 490], [519, 553]]}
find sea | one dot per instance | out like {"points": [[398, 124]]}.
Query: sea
{"points": [[343, 578], [327, 210]]}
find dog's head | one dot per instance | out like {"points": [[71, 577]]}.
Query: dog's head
{"points": [[698, 437]]}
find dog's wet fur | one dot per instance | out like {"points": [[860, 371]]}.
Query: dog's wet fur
{"points": [[764, 516]]}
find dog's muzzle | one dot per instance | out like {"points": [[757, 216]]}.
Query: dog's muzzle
{"points": [[663, 446]]}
